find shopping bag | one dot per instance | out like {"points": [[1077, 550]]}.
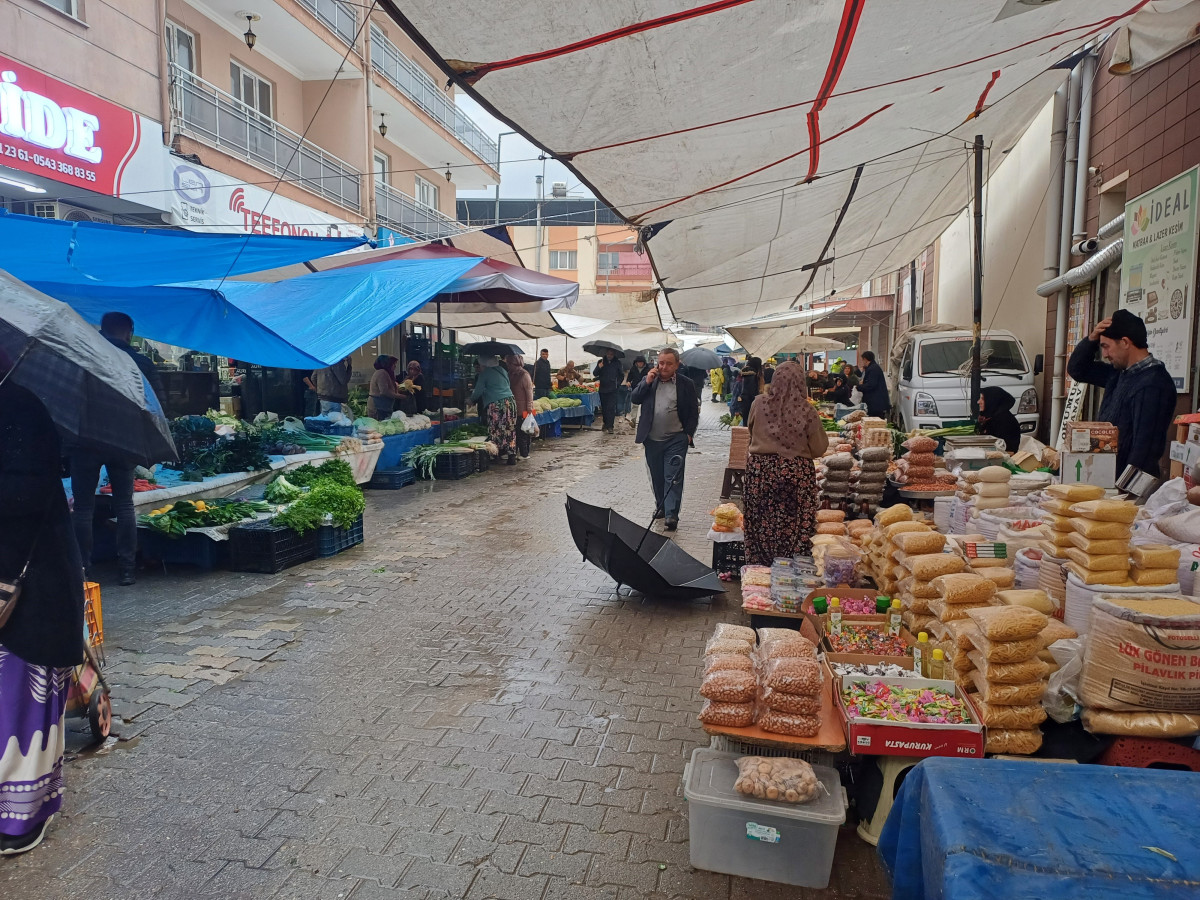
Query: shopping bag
{"points": [[529, 424], [855, 397]]}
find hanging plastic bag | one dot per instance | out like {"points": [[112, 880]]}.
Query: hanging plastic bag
{"points": [[529, 425], [855, 397], [1062, 689]]}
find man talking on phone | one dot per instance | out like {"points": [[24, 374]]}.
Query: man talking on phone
{"points": [[666, 426]]}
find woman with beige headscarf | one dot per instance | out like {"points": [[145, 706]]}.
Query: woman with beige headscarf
{"points": [[780, 486]]}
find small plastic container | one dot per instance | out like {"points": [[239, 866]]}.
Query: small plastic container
{"points": [[789, 843]]}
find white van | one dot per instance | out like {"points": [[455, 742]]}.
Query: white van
{"points": [[934, 381]]}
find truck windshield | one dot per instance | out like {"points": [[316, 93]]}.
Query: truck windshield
{"points": [[953, 357]]}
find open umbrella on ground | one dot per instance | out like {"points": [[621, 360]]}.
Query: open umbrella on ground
{"points": [[642, 559], [96, 395], [701, 358], [599, 348], [491, 348]]}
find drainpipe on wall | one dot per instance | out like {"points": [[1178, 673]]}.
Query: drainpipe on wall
{"points": [[1070, 166], [1054, 198], [1083, 156], [164, 71], [369, 187]]}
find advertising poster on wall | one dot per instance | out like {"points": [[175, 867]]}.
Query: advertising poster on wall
{"points": [[1158, 270]]}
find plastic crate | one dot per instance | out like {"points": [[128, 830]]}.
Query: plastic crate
{"points": [[392, 479], [483, 460], [728, 557], [263, 547], [193, 549], [452, 466], [739, 835], [323, 426], [332, 540]]}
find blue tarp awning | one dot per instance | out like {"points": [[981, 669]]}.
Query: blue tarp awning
{"points": [[53, 251], [300, 323]]}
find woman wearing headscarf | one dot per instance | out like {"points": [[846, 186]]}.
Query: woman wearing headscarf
{"points": [[780, 487], [494, 391], [996, 418], [521, 383], [43, 636], [633, 378], [382, 392], [412, 390], [750, 386]]}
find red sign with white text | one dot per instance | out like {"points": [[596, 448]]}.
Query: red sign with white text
{"points": [[51, 129]]}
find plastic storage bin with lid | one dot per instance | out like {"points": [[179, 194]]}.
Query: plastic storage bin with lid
{"points": [[791, 843]]}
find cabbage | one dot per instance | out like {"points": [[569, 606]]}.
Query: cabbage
{"points": [[281, 491]]}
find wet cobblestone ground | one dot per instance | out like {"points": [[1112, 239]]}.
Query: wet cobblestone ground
{"points": [[459, 708]]}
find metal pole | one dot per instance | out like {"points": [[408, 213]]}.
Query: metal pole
{"points": [[912, 295], [977, 304], [1058, 396], [437, 350]]}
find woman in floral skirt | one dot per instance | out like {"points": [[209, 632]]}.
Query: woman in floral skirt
{"points": [[494, 389], [780, 485]]}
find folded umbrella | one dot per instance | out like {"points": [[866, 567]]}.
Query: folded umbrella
{"points": [[645, 560], [94, 392], [599, 348]]}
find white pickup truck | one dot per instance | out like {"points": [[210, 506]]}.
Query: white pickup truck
{"points": [[933, 383]]}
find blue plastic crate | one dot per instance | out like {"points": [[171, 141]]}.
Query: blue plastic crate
{"points": [[332, 540], [192, 549], [324, 426], [392, 479]]}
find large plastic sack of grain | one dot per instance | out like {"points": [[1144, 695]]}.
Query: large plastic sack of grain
{"points": [[1075, 493], [1142, 653], [994, 475], [1122, 511], [1141, 724], [1181, 528]]}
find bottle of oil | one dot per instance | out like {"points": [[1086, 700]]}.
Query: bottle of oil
{"points": [[835, 616], [920, 653], [894, 614], [937, 665]]}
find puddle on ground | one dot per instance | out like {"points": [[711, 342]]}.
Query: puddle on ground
{"points": [[101, 748]]}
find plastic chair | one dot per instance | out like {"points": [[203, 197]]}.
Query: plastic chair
{"points": [[894, 770]]}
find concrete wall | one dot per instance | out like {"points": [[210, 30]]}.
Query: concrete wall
{"points": [[1015, 201], [118, 38]]}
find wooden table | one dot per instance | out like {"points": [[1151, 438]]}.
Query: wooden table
{"points": [[831, 738]]}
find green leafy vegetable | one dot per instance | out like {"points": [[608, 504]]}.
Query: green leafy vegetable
{"points": [[335, 470], [342, 502], [282, 491]]}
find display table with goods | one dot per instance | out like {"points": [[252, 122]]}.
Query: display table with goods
{"points": [[985, 829]]}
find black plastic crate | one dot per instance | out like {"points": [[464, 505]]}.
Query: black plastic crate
{"points": [[728, 557], [267, 548], [191, 549], [324, 426], [392, 479], [483, 460], [451, 466], [332, 540]]}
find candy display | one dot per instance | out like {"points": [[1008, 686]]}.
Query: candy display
{"points": [[865, 639], [852, 606], [777, 778], [879, 700], [758, 575], [881, 670]]}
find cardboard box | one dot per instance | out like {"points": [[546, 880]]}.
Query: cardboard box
{"points": [[1193, 435], [876, 737], [861, 659], [1026, 461], [1091, 437], [1099, 469]]}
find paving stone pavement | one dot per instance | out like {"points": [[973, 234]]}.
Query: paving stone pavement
{"points": [[460, 708]]}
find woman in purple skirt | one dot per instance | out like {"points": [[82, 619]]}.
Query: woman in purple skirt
{"points": [[43, 637]]}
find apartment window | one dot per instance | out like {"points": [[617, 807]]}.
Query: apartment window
{"points": [[606, 263], [69, 7], [181, 47], [251, 88], [381, 168], [564, 259], [427, 192]]}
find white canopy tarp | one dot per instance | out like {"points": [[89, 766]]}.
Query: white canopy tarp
{"points": [[736, 128], [766, 336]]}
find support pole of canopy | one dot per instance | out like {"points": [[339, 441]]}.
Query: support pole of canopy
{"points": [[437, 368], [977, 304]]}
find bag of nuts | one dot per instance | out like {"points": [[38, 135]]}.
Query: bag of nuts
{"points": [[778, 778]]}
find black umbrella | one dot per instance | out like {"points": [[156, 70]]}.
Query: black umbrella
{"points": [[645, 560], [599, 348], [492, 348], [700, 358], [96, 395]]}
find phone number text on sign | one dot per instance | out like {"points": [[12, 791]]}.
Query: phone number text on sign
{"points": [[11, 151]]}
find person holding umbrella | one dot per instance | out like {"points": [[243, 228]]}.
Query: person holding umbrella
{"points": [[608, 373], [666, 431], [494, 390], [633, 378], [117, 329]]}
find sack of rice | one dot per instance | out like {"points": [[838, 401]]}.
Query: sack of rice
{"points": [[1074, 493], [1155, 556], [1153, 577], [1123, 511], [994, 475], [1141, 654]]}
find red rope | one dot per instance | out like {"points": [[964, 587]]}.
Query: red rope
{"points": [[983, 97], [763, 168], [479, 71], [851, 14]]}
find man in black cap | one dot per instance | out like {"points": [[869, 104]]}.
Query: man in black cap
{"points": [[1139, 393]]}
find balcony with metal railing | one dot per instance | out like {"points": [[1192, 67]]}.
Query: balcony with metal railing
{"points": [[208, 114], [400, 212], [339, 17], [414, 83]]}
